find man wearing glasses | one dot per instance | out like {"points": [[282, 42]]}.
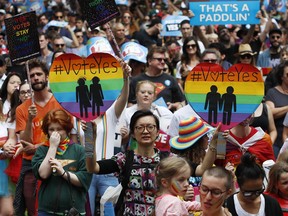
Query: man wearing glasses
{"points": [[271, 57], [167, 86]]}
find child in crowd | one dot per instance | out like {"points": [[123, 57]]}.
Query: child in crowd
{"points": [[172, 176]]}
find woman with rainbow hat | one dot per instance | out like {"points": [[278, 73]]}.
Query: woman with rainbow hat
{"points": [[192, 143]]}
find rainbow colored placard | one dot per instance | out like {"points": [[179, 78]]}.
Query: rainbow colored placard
{"points": [[86, 87], [224, 96]]}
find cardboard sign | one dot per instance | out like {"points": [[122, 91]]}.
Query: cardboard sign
{"points": [[22, 36], [224, 96], [171, 25], [222, 12], [86, 87], [98, 12]]}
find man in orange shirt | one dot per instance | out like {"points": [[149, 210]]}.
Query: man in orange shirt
{"points": [[28, 126]]}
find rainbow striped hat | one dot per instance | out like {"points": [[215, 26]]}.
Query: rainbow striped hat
{"points": [[190, 130]]}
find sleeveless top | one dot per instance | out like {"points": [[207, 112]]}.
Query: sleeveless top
{"points": [[262, 120]]}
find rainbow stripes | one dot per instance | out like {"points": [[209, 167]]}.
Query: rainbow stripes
{"points": [[70, 73], [245, 80]]}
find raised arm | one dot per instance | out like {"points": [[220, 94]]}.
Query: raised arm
{"points": [[91, 160], [123, 98], [210, 154]]}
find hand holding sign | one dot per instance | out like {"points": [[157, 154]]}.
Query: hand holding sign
{"points": [[224, 96]]}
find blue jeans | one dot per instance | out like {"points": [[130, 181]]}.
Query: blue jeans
{"points": [[98, 185]]}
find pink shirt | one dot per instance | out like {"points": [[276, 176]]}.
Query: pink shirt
{"points": [[169, 205]]}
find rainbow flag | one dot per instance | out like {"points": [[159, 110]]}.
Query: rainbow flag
{"points": [[224, 96], [86, 87]]}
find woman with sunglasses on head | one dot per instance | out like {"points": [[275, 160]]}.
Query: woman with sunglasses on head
{"points": [[250, 200], [190, 58]]}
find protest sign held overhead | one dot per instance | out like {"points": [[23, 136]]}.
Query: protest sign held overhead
{"points": [[171, 25], [222, 12], [22, 36], [98, 12], [83, 86], [224, 96]]}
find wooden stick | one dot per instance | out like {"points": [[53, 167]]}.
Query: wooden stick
{"points": [[29, 81]]}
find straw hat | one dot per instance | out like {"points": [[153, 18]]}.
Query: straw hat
{"points": [[245, 49], [190, 130]]}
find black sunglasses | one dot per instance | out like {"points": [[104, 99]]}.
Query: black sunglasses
{"points": [[246, 56], [59, 45]]}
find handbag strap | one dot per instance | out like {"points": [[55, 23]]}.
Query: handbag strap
{"points": [[70, 188], [126, 176]]}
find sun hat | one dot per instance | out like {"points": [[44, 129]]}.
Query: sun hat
{"points": [[190, 130], [245, 49]]}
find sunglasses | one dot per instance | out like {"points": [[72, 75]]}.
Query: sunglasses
{"points": [[161, 59], [191, 46], [210, 60], [79, 36], [246, 56], [59, 45], [128, 17], [251, 193], [59, 17]]}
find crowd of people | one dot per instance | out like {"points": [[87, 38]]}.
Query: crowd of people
{"points": [[150, 140]]}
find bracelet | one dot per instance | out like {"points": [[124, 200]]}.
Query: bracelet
{"points": [[212, 148], [63, 173]]}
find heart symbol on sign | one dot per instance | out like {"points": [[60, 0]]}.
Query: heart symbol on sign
{"points": [[224, 96], [83, 85], [78, 68]]}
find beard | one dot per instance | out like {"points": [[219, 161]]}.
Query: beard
{"points": [[39, 86]]}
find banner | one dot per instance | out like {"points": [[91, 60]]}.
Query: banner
{"points": [[22, 37], [171, 25], [98, 12], [86, 87], [224, 96], [222, 12]]}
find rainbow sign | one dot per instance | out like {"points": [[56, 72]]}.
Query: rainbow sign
{"points": [[86, 87], [224, 96]]}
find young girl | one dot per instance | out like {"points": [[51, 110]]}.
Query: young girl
{"points": [[172, 176]]}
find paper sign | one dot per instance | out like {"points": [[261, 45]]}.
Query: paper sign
{"points": [[22, 36], [222, 12], [98, 12], [59, 24], [171, 25], [99, 44], [31, 5], [224, 96], [122, 2], [273, 5], [132, 50], [86, 87]]}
